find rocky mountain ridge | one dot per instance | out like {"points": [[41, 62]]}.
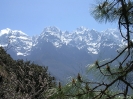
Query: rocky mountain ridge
{"points": [[64, 52], [81, 38]]}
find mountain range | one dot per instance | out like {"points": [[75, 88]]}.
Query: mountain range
{"points": [[65, 53]]}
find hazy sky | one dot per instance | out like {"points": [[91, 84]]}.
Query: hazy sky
{"points": [[32, 16]]}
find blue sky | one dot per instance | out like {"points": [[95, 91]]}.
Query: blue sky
{"points": [[32, 16]]}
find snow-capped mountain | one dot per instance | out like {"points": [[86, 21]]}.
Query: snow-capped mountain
{"points": [[20, 42], [82, 38], [65, 53]]}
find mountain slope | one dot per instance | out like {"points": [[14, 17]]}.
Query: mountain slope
{"points": [[65, 53]]}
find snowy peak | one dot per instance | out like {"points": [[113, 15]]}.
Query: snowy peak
{"points": [[4, 31], [52, 29], [8, 31], [81, 30], [19, 41]]}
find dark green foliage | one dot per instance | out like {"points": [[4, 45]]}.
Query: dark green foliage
{"points": [[23, 80]]}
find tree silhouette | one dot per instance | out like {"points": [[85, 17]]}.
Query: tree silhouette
{"points": [[111, 79]]}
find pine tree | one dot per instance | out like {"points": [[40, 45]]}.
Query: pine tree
{"points": [[111, 79]]}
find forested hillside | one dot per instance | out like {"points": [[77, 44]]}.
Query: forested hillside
{"points": [[23, 80]]}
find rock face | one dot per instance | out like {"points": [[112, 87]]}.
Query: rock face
{"points": [[64, 53]]}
